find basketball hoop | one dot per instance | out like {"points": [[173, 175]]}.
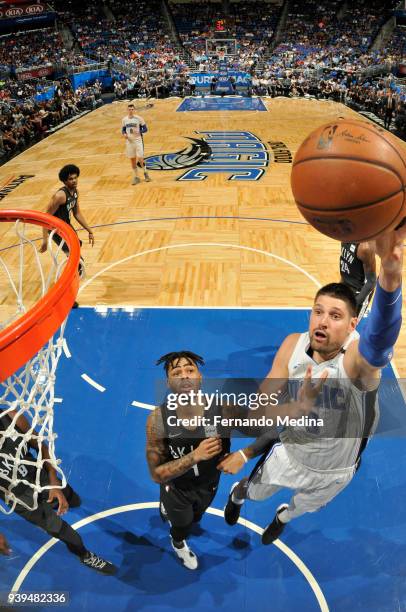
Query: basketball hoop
{"points": [[29, 353]]}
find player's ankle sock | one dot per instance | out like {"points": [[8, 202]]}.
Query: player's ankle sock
{"points": [[283, 516], [237, 500]]}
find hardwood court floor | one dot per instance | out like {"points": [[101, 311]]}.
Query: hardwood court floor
{"points": [[179, 243]]}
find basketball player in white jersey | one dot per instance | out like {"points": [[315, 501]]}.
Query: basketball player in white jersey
{"points": [[133, 127], [315, 465]]}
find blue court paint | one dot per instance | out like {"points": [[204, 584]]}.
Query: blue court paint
{"points": [[232, 103], [355, 547]]}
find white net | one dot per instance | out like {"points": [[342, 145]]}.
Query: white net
{"points": [[27, 439]]}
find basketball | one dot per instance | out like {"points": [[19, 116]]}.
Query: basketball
{"points": [[348, 180]]}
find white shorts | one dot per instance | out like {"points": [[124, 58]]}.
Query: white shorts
{"points": [[312, 489], [134, 148]]}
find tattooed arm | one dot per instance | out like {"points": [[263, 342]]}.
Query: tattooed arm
{"points": [[163, 469]]}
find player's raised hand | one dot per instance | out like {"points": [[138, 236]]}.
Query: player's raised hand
{"points": [[389, 247], [43, 247], [4, 547], [310, 390], [207, 449]]}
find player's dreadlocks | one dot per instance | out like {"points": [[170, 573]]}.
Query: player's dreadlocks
{"points": [[169, 358]]}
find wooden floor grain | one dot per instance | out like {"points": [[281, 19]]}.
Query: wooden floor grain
{"points": [[173, 243]]}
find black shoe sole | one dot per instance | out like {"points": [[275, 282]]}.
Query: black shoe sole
{"points": [[107, 572]]}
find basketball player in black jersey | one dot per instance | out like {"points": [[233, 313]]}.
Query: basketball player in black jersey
{"points": [[186, 461], [358, 272], [64, 202], [182, 460], [52, 503]]}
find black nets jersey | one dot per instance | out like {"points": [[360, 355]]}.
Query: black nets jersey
{"points": [[9, 451], [351, 267], [64, 210], [180, 441]]}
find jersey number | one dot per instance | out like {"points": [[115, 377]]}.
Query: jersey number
{"points": [[344, 267]]}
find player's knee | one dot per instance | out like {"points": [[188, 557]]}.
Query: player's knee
{"points": [[55, 527], [180, 532]]}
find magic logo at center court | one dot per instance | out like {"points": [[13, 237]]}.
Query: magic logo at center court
{"points": [[242, 156]]}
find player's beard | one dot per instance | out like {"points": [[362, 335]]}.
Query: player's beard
{"points": [[325, 349]]}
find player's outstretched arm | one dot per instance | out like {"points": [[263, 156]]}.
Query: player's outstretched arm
{"points": [[163, 470], [367, 356]]}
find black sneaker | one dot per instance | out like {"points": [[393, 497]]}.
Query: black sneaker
{"points": [[232, 510], [274, 530], [98, 564]]}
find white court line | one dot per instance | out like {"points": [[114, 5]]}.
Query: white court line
{"points": [[93, 383], [201, 244], [321, 600], [66, 349], [141, 405]]}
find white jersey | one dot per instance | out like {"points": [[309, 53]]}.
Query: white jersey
{"points": [[349, 415], [131, 127]]}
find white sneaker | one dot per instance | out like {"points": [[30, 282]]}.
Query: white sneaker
{"points": [[186, 555], [136, 180]]}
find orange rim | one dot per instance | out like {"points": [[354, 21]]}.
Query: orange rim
{"points": [[23, 338]]}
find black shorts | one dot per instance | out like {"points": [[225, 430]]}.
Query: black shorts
{"points": [[44, 516], [57, 239], [181, 507]]}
